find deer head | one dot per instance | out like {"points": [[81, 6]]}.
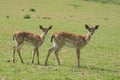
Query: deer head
{"points": [[45, 30], [90, 32], [91, 29]]}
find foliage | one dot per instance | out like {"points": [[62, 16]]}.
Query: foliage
{"points": [[32, 10], [26, 16]]}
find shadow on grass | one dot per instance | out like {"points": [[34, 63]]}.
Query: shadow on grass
{"points": [[82, 67], [72, 66], [98, 69]]}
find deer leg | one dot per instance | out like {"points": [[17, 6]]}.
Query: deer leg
{"points": [[13, 57], [78, 56], [18, 50], [56, 54], [49, 52], [37, 55], [33, 55], [17, 46]]}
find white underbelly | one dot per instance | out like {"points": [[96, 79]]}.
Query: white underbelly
{"points": [[32, 44], [69, 44], [28, 43]]}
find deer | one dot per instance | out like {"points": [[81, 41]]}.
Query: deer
{"points": [[36, 40], [77, 41]]}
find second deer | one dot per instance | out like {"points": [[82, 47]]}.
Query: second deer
{"points": [[76, 41], [36, 40]]}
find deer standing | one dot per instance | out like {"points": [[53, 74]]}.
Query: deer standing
{"points": [[76, 41], [36, 40]]}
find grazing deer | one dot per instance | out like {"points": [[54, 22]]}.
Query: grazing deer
{"points": [[36, 40], [73, 40]]}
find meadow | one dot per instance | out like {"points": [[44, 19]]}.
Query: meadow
{"points": [[100, 59]]}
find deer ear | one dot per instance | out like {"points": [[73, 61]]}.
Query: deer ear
{"points": [[40, 26], [86, 26], [96, 27], [50, 27]]}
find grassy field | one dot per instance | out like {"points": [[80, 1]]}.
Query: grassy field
{"points": [[100, 59], [106, 1]]}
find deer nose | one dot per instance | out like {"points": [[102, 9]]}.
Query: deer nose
{"points": [[45, 32], [92, 33]]}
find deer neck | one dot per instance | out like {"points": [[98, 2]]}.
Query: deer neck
{"points": [[88, 37], [43, 35]]}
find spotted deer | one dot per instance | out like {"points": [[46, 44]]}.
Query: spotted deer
{"points": [[76, 41], [35, 40]]}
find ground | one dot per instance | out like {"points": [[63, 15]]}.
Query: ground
{"points": [[100, 59]]}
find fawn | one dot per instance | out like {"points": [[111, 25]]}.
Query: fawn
{"points": [[76, 41], [36, 40]]}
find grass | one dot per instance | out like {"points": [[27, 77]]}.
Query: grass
{"points": [[106, 1], [27, 16], [100, 59], [32, 10]]}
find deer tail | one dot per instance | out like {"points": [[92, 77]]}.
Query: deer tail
{"points": [[13, 37], [52, 38]]}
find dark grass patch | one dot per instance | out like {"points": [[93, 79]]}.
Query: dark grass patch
{"points": [[22, 9], [105, 18], [32, 10], [26, 16], [76, 6], [46, 17], [117, 2], [7, 17]]}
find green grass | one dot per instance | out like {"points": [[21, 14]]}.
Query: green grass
{"points": [[27, 16], [106, 1], [100, 59]]}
